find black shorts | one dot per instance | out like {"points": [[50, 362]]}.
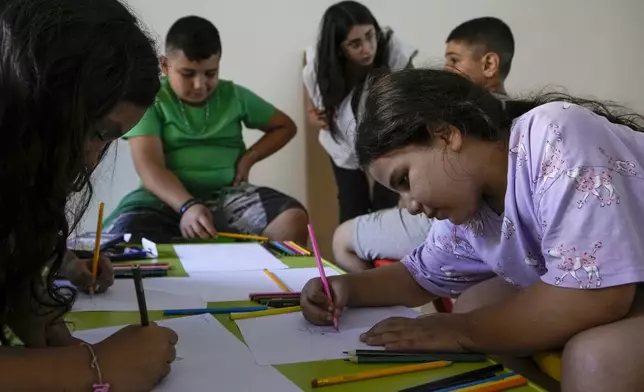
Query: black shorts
{"points": [[245, 209]]}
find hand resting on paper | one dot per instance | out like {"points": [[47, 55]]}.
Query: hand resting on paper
{"points": [[79, 273], [137, 358], [438, 333], [317, 308]]}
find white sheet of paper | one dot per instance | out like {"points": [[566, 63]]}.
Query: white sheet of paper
{"points": [[230, 286], [211, 358], [160, 294], [307, 342], [226, 257], [296, 278]]}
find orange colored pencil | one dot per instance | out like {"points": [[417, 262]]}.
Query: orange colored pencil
{"points": [[368, 375], [97, 246], [296, 246], [277, 281], [495, 386]]}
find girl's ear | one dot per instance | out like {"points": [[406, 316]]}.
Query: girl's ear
{"points": [[450, 135], [163, 60]]}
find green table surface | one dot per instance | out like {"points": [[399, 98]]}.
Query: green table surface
{"points": [[301, 373]]}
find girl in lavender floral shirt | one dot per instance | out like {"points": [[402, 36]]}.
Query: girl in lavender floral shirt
{"points": [[540, 206]]}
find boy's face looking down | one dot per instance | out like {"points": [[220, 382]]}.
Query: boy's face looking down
{"points": [[474, 62], [192, 81]]}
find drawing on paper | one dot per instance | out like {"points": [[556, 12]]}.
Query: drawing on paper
{"points": [[321, 330]]}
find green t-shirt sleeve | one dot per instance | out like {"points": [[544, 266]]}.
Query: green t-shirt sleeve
{"points": [[150, 124], [256, 112]]}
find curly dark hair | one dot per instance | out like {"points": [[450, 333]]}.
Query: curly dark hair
{"points": [[64, 65]]}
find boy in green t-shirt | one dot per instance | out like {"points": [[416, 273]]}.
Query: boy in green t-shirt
{"points": [[190, 155]]}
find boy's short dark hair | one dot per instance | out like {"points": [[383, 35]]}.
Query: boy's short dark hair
{"points": [[491, 33], [197, 37]]}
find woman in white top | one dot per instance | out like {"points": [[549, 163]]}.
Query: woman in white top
{"points": [[350, 45]]}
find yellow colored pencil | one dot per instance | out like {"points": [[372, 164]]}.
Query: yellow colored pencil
{"points": [[296, 246], [277, 281], [498, 385], [368, 375], [549, 363], [262, 313], [243, 236], [97, 246]]}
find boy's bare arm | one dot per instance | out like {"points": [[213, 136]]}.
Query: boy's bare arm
{"points": [[279, 130], [149, 161]]}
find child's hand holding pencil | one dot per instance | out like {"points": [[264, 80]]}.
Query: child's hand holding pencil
{"points": [[317, 308]]}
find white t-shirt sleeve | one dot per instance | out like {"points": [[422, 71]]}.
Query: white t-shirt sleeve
{"points": [[400, 53], [310, 79]]}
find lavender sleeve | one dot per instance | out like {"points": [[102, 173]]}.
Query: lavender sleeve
{"points": [[587, 190], [446, 264]]}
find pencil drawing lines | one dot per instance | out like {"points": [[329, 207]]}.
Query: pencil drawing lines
{"points": [[320, 330]]}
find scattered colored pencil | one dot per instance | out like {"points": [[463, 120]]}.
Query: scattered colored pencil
{"points": [[371, 374], [318, 259], [97, 247], [274, 294], [417, 358], [459, 379], [280, 303], [261, 298], [243, 236], [291, 248], [277, 280], [143, 266], [183, 312], [492, 384], [282, 248], [125, 274], [303, 251], [269, 312]]}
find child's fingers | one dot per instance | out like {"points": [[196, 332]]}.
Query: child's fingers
{"points": [[200, 230], [322, 301], [315, 313], [206, 223], [188, 232]]}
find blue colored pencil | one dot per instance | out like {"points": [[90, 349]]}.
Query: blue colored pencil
{"points": [[184, 312], [477, 382], [283, 248]]}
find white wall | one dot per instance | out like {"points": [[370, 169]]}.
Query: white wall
{"points": [[592, 47]]}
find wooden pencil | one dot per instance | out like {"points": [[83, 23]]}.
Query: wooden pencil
{"points": [[371, 374], [97, 247], [456, 380], [277, 280], [393, 353], [301, 249], [243, 236], [140, 296], [417, 358], [495, 386]]}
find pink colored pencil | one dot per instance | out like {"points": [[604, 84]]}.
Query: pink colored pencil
{"points": [[318, 259], [291, 248]]}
